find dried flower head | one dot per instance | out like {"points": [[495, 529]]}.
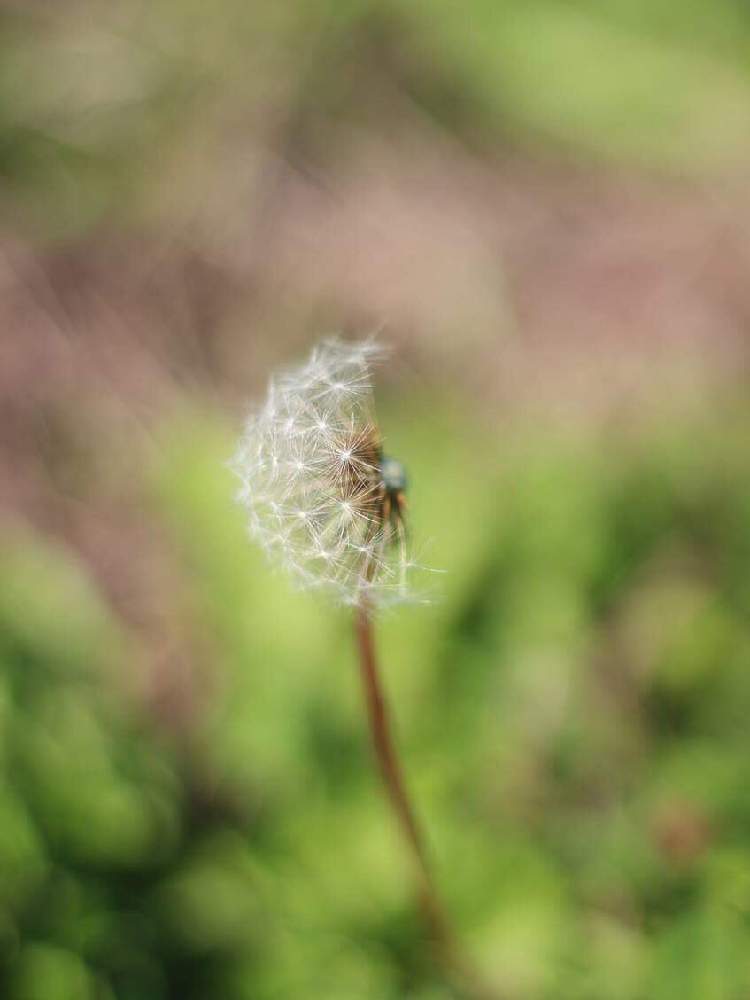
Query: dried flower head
{"points": [[322, 499]]}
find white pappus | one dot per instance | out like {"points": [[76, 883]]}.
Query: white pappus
{"points": [[322, 499]]}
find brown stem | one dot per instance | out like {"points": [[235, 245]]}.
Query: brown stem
{"points": [[390, 769]]}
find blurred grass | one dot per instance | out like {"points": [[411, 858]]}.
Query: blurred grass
{"points": [[129, 116], [572, 710], [655, 84]]}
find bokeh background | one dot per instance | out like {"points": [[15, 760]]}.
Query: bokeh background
{"points": [[545, 207]]}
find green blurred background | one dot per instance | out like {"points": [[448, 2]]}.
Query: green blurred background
{"points": [[544, 205]]}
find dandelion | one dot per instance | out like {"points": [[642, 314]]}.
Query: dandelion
{"points": [[323, 500], [327, 504]]}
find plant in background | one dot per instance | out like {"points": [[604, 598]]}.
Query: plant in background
{"points": [[326, 503]]}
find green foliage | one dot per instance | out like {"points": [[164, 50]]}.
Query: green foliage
{"points": [[107, 120], [656, 84], [572, 712]]}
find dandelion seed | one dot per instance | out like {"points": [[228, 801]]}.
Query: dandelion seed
{"points": [[320, 496]]}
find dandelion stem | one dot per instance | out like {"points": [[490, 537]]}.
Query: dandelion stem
{"points": [[438, 925]]}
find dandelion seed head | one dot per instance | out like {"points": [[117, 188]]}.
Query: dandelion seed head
{"points": [[309, 463]]}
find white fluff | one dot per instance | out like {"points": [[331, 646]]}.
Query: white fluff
{"points": [[312, 493]]}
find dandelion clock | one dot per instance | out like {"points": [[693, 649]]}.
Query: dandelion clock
{"points": [[323, 500], [327, 505]]}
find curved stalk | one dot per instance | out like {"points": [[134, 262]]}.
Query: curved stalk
{"points": [[438, 925]]}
